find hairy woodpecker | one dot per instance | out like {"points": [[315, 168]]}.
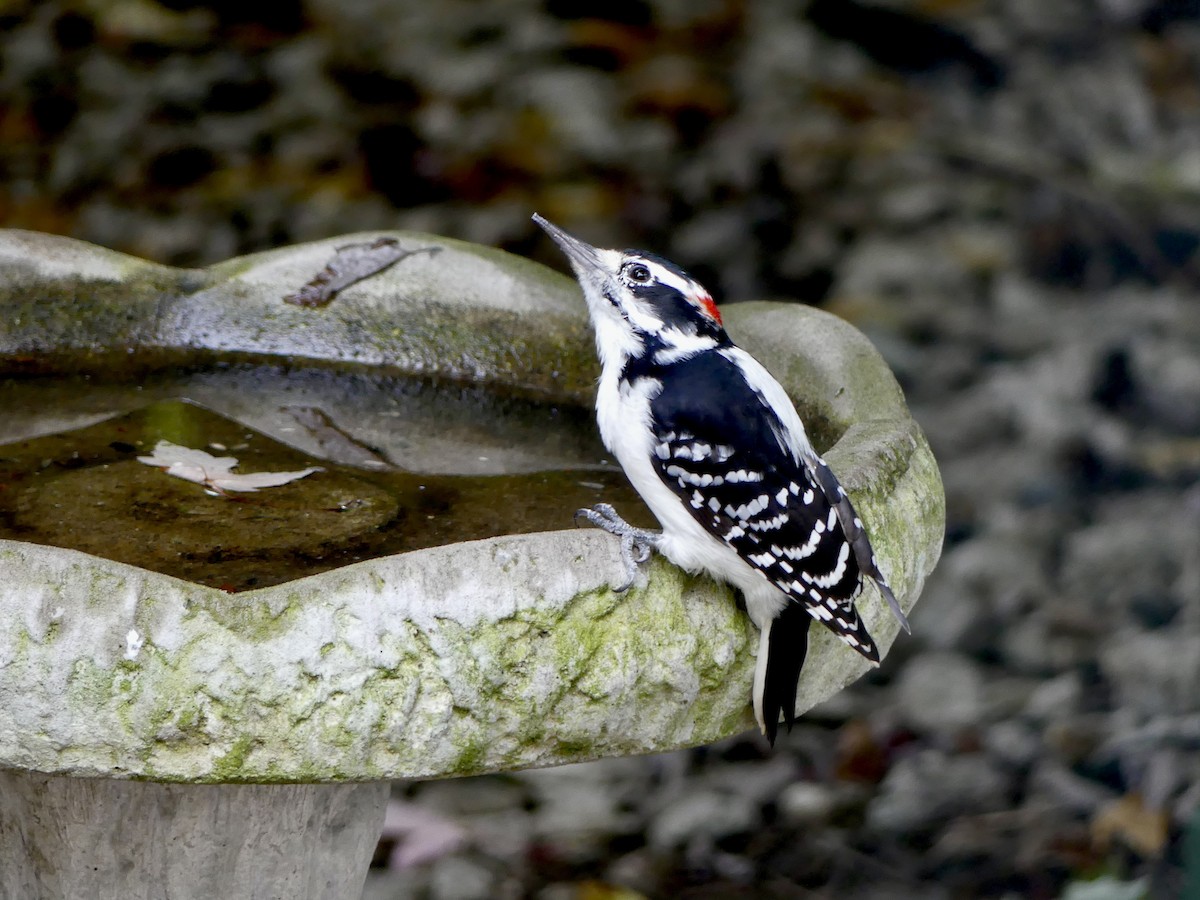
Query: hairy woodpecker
{"points": [[715, 448]]}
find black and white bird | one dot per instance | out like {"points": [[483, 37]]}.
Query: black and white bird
{"points": [[715, 448]]}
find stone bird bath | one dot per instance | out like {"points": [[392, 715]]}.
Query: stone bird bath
{"points": [[162, 738]]}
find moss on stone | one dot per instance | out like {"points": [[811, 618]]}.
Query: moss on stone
{"points": [[255, 616], [230, 765], [456, 660]]}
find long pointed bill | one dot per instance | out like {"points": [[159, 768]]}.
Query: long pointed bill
{"points": [[584, 258]]}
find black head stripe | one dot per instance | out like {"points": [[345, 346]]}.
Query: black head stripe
{"points": [[657, 260], [672, 295]]}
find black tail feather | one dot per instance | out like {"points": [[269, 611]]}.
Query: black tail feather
{"points": [[786, 649]]}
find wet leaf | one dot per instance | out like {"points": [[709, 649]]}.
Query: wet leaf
{"points": [[349, 265], [215, 472]]}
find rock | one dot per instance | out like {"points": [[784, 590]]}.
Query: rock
{"points": [[1154, 673], [760, 782], [1140, 542], [807, 804], [1012, 742], [1057, 786], [941, 692], [1055, 698], [580, 808], [387, 884], [462, 878], [1007, 695], [1106, 887], [923, 790], [461, 798], [977, 585], [637, 871], [708, 815], [1036, 644]]}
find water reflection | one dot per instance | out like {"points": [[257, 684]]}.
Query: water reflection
{"points": [[405, 466]]}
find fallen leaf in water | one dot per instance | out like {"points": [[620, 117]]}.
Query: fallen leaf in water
{"points": [[215, 471]]}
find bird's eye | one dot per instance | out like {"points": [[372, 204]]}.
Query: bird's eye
{"points": [[637, 273]]}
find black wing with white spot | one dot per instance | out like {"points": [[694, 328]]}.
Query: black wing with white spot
{"points": [[852, 526], [773, 511]]}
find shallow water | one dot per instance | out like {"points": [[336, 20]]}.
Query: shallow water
{"points": [[405, 465]]}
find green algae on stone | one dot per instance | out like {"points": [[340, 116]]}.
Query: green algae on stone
{"points": [[466, 313], [471, 657], [228, 767]]}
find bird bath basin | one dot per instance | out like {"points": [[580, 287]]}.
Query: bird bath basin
{"points": [[420, 608], [345, 513]]}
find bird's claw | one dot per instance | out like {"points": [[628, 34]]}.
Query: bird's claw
{"points": [[636, 543]]}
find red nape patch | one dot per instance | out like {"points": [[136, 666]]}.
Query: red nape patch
{"points": [[707, 304]]}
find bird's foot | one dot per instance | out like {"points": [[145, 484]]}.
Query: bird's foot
{"points": [[636, 543]]}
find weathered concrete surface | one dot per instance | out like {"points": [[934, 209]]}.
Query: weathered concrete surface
{"points": [[107, 839], [464, 312], [494, 655], [489, 655]]}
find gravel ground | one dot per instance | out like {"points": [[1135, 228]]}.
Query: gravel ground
{"points": [[1002, 193]]}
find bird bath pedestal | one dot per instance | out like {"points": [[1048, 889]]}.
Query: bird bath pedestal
{"points": [[162, 738]]}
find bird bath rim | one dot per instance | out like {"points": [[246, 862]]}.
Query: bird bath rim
{"points": [[494, 655]]}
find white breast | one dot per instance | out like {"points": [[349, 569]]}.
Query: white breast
{"points": [[623, 414]]}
